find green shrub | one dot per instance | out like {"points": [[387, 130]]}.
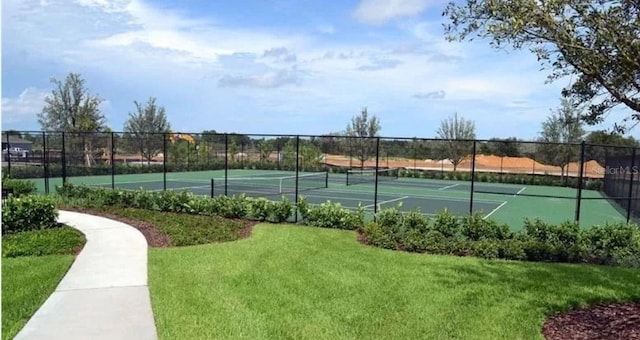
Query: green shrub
{"points": [[330, 215], [375, 236], [18, 187], [260, 208], [236, 206], [435, 242], [447, 224], [475, 227], [281, 211], [614, 243], [488, 249], [390, 221], [28, 213], [56, 241], [512, 249]]}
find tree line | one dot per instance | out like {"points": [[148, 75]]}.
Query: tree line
{"points": [[72, 109]]}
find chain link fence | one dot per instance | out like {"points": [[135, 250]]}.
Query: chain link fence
{"points": [[501, 178]]}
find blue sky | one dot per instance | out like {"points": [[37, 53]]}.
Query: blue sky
{"points": [[285, 66]]}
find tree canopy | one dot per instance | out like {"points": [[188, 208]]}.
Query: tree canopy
{"points": [[598, 41], [457, 134], [144, 128], [562, 126], [360, 129], [70, 107]]}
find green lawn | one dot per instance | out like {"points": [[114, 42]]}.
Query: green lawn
{"points": [[26, 283], [309, 283]]}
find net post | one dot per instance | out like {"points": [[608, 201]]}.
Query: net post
{"points": [[45, 165], [212, 184], [164, 161], [64, 161], [580, 179], [297, 177], [375, 194], [226, 161], [473, 175], [631, 173], [112, 160], [326, 179]]}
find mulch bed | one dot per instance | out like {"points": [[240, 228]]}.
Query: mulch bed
{"points": [[600, 321], [154, 235]]}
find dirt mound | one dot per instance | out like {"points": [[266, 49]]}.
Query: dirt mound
{"points": [[485, 163]]}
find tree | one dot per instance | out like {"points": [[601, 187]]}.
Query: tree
{"points": [[457, 134], [264, 148], [145, 127], [562, 126], [360, 131], [71, 109], [606, 144], [595, 40]]}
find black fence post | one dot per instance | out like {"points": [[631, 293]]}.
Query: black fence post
{"points": [[580, 179], [297, 177], [63, 157], [226, 161], [631, 177], [473, 175], [375, 190], [164, 161], [112, 160], [45, 165], [8, 154]]}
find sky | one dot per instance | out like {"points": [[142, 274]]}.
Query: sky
{"points": [[276, 67]]}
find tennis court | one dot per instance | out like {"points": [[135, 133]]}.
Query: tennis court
{"points": [[506, 203]]}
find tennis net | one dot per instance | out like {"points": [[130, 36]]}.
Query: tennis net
{"points": [[358, 176], [260, 186]]}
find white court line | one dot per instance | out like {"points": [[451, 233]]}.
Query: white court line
{"points": [[385, 202], [519, 191], [449, 186], [494, 210]]}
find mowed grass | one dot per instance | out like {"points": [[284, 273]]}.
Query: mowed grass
{"points": [[293, 282], [27, 282]]}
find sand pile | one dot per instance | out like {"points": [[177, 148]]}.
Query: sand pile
{"points": [[488, 163]]}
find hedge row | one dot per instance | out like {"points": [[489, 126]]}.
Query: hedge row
{"points": [[239, 206], [491, 177], [329, 214], [18, 187], [472, 235]]}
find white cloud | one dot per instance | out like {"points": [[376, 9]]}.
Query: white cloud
{"points": [[382, 11], [430, 95], [24, 107], [271, 79]]}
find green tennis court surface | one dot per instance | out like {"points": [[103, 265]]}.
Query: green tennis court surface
{"points": [[505, 203]]}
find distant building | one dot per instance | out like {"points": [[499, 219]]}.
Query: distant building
{"points": [[15, 146]]}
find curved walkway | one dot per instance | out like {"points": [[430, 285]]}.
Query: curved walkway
{"points": [[104, 295]]}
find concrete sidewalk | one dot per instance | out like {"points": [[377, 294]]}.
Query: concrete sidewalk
{"points": [[104, 295]]}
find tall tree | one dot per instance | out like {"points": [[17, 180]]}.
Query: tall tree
{"points": [[145, 127], [605, 144], [71, 109], [563, 126], [360, 131], [457, 133], [595, 40]]}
